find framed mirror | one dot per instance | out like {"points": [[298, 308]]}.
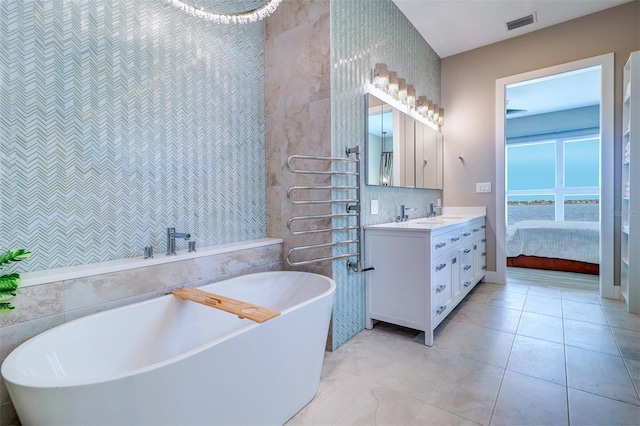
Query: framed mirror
{"points": [[400, 150]]}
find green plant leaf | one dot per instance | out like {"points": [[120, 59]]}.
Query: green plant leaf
{"points": [[14, 256], [9, 282], [6, 295], [6, 308]]}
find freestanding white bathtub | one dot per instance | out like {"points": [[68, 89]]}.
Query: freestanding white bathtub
{"points": [[170, 361]]}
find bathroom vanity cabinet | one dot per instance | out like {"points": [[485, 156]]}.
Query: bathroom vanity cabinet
{"points": [[423, 269]]}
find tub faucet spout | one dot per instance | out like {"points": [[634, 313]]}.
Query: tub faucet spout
{"points": [[171, 240]]}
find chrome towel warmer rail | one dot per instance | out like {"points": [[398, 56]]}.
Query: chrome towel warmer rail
{"points": [[351, 203]]}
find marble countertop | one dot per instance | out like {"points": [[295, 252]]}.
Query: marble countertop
{"points": [[427, 223], [451, 217]]}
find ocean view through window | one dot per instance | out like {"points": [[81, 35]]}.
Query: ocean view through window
{"points": [[554, 179]]}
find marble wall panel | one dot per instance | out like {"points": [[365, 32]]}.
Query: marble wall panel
{"points": [[298, 118], [222, 265], [294, 14], [35, 302], [99, 289]]}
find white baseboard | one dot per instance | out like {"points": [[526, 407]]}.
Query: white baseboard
{"points": [[617, 294], [491, 277]]}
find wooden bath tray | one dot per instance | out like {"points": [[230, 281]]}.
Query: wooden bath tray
{"points": [[234, 306]]}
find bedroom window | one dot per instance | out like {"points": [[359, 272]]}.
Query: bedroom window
{"points": [[553, 180]]}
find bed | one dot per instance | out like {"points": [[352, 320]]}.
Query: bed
{"points": [[554, 245]]}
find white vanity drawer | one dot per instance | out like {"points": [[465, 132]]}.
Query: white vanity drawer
{"points": [[445, 242], [442, 293], [466, 233], [453, 239], [466, 267], [440, 244]]}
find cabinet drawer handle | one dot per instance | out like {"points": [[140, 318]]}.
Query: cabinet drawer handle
{"points": [[476, 229], [454, 239], [483, 226], [475, 247], [484, 267], [440, 310], [466, 234], [484, 240], [441, 267], [440, 245], [465, 251], [454, 260], [440, 288], [484, 253], [466, 267], [467, 283]]}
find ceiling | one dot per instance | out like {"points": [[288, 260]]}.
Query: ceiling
{"points": [[559, 92], [455, 26]]}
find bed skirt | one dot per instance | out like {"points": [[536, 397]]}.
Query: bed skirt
{"points": [[550, 264]]}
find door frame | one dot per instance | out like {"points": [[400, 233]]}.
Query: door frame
{"points": [[607, 166]]}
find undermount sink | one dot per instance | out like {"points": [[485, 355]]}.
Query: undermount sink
{"points": [[439, 219]]}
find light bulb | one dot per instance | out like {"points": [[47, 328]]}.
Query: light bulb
{"points": [[381, 76]]}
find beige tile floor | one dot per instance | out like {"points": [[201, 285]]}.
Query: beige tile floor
{"points": [[508, 355]]}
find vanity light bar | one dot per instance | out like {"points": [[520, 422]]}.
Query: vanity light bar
{"points": [[398, 89], [395, 103]]}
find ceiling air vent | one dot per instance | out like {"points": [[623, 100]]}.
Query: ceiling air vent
{"points": [[521, 22]]}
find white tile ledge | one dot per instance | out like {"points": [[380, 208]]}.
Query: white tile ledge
{"points": [[80, 271]]}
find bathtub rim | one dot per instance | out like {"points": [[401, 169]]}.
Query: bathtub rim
{"points": [[18, 379]]}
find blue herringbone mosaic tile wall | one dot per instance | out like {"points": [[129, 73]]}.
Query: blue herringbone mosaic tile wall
{"points": [[362, 34], [120, 118]]}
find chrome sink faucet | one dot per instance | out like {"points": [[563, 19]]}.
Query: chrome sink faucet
{"points": [[404, 216], [171, 240], [432, 212]]}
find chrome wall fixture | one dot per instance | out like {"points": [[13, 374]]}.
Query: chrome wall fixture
{"points": [[252, 15], [386, 164], [351, 201], [389, 83]]}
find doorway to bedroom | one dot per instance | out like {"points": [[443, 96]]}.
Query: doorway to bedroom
{"points": [[555, 167]]}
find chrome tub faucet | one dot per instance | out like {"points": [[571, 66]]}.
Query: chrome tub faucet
{"points": [[171, 240]]}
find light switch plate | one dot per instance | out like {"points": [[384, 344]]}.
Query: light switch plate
{"points": [[374, 206], [483, 187]]}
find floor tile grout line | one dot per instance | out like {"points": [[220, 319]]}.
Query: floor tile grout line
{"points": [[504, 370], [566, 370], [633, 382], [604, 396], [495, 403], [626, 364], [615, 339]]}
